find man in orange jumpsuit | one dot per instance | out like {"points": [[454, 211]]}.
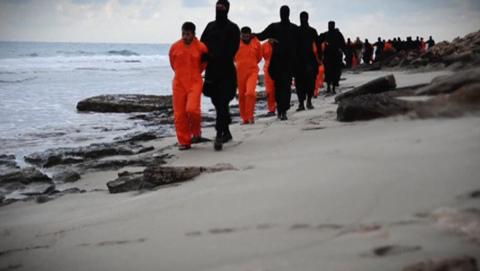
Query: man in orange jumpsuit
{"points": [[187, 60], [267, 50], [319, 83], [247, 58]]}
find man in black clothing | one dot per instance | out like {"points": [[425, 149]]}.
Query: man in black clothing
{"points": [[430, 42], [332, 56], [307, 70], [379, 45], [368, 53], [349, 51], [285, 36], [222, 37]]}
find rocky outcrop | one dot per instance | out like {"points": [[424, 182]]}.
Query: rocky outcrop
{"points": [[67, 176], [453, 96], [451, 83], [464, 263], [125, 103], [19, 184], [7, 163], [371, 106], [65, 156], [128, 182], [378, 85], [157, 175], [24, 176]]}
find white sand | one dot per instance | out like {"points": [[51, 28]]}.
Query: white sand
{"points": [[265, 216]]}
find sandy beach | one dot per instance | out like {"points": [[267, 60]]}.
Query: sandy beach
{"points": [[307, 194]]}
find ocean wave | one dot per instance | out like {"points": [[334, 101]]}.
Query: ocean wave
{"points": [[76, 53], [128, 61], [18, 81], [95, 69], [123, 53], [30, 55]]}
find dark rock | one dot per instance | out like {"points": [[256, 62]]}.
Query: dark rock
{"points": [[23, 184], [127, 182], [65, 156], [451, 83], [161, 175], [7, 163], [464, 263], [125, 103], [24, 176], [157, 175], [68, 176], [378, 85], [138, 136], [371, 106]]}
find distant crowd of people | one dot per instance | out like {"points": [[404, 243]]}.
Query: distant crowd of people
{"points": [[365, 52], [230, 58]]}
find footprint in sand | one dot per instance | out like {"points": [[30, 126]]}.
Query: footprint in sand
{"points": [[114, 243], [391, 250], [313, 128]]}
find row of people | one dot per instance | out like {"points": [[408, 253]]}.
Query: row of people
{"points": [[230, 58], [359, 51]]}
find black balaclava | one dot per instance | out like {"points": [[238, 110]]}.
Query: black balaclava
{"points": [[285, 14], [304, 19], [222, 15], [331, 26]]}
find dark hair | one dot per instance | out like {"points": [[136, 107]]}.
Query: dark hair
{"points": [[188, 26], [246, 30]]}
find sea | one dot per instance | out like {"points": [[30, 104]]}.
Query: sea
{"points": [[41, 84]]}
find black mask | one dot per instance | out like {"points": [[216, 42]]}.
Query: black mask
{"points": [[285, 14], [304, 19], [331, 26], [221, 15]]}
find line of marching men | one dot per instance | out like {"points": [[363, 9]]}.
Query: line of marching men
{"points": [[230, 58]]}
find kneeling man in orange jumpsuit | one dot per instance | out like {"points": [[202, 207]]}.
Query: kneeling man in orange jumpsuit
{"points": [[187, 60], [247, 58]]}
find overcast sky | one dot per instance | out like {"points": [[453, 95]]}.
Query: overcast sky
{"points": [[159, 21]]}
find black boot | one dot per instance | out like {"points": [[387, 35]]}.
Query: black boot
{"points": [[218, 142], [309, 104], [301, 107], [227, 137]]}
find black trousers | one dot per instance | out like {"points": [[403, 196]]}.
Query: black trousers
{"points": [[283, 92], [305, 84], [224, 119]]}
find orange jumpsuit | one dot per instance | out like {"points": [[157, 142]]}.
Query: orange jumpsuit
{"points": [[269, 83], [321, 73], [423, 47], [388, 47], [247, 59], [187, 88]]}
